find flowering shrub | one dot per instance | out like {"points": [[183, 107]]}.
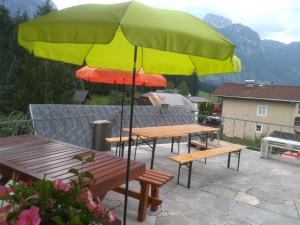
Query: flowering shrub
{"points": [[45, 202]]}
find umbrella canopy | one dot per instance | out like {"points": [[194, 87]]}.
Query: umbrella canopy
{"points": [[119, 77], [169, 42]]}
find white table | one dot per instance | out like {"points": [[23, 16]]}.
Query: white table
{"points": [[268, 143]]}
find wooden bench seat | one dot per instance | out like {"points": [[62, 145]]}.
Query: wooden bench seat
{"points": [[188, 158], [151, 180]]}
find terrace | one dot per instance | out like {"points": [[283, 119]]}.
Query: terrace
{"points": [[263, 192]]}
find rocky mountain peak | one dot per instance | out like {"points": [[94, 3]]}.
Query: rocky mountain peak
{"points": [[217, 21]]}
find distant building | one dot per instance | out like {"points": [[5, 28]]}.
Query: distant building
{"points": [[266, 104], [197, 100], [162, 98], [81, 97]]}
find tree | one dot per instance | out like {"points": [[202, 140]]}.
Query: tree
{"points": [[183, 88], [25, 79], [194, 84]]}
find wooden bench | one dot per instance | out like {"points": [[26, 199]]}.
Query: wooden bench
{"points": [[150, 181], [188, 158]]}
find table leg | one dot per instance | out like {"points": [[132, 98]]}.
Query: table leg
{"points": [[153, 153], [123, 147], [172, 144], [154, 194], [189, 143], [229, 157], [239, 157], [143, 203]]}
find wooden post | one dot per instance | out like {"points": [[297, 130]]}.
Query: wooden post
{"points": [[154, 194], [143, 203], [101, 130]]}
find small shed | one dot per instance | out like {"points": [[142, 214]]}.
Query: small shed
{"points": [[82, 97]]}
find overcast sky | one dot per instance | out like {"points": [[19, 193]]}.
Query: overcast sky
{"points": [[272, 19]]}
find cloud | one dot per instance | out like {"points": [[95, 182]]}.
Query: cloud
{"points": [[272, 19]]}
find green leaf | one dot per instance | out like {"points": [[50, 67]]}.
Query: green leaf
{"points": [[87, 174], [58, 220], [74, 171], [78, 157]]}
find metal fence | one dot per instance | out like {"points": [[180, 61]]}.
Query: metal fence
{"points": [[74, 130], [78, 130], [250, 132]]}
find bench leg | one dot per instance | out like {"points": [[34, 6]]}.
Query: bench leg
{"points": [[190, 174], [136, 146], [154, 194], [179, 169], [143, 203], [189, 146], [239, 157]]}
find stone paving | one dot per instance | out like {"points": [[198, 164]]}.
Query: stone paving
{"points": [[263, 192]]}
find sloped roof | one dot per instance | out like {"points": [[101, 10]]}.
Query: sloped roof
{"points": [[80, 95], [158, 98], [197, 99], [72, 123], [266, 92]]}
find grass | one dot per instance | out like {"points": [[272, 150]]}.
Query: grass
{"points": [[100, 100], [207, 96]]}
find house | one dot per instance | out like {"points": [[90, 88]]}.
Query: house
{"points": [[164, 98], [81, 97], [252, 110]]}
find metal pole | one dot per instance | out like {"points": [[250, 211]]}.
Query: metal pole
{"points": [[130, 135], [121, 122]]}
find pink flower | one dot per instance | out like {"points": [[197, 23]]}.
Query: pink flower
{"points": [[60, 185], [3, 223], [3, 191], [112, 216], [89, 202], [29, 217]]}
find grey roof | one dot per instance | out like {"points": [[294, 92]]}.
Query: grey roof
{"points": [[197, 99], [80, 96], [72, 123], [171, 99]]}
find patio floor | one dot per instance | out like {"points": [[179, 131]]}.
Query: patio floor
{"points": [[263, 192]]}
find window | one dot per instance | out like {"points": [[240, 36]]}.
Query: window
{"points": [[258, 128], [261, 110]]}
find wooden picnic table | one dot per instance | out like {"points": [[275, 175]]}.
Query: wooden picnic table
{"points": [[172, 131], [34, 157]]}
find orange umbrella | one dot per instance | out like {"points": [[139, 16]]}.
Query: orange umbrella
{"points": [[118, 77], [107, 76]]}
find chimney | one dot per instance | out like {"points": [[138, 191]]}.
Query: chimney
{"points": [[164, 108], [249, 83]]}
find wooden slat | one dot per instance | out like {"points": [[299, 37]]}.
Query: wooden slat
{"points": [[171, 131], [188, 157], [113, 140]]}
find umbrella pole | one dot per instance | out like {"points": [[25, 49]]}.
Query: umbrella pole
{"points": [[130, 135], [121, 123]]}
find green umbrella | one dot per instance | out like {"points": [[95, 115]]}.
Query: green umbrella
{"points": [[130, 36]]}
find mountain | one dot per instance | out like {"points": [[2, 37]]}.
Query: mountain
{"points": [[265, 61], [20, 6]]}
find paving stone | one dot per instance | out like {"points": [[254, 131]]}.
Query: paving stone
{"points": [[281, 209], [251, 214], [249, 199], [283, 221]]}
